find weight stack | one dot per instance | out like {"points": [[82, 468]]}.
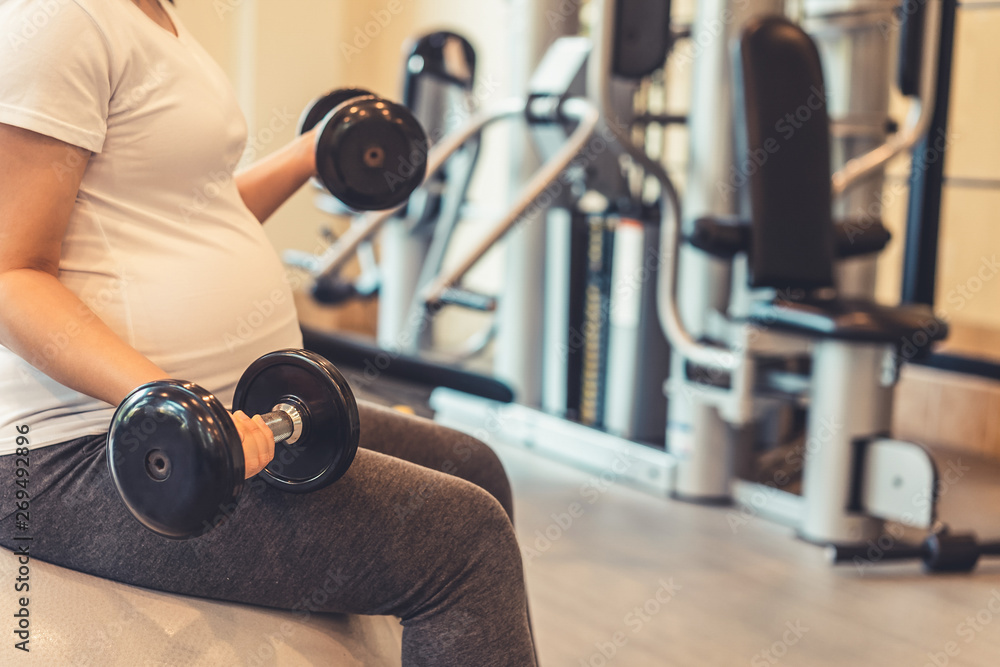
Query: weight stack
{"points": [[596, 323], [638, 356]]}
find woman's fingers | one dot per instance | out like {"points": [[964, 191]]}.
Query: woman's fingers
{"points": [[258, 442]]}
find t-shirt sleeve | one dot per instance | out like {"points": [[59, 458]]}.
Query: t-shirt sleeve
{"points": [[55, 72]]}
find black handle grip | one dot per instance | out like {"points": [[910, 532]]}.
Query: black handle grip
{"points": [[912, 17]]}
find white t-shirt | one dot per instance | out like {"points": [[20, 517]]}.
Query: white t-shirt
{"points": [[160, 244]]}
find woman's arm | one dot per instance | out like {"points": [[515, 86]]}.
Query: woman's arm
{"points": [[267, 184], [41, 320]]}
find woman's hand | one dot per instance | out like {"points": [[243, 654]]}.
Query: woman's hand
{"points": [[258, 442]]}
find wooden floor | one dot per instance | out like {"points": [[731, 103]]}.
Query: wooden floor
{"points": [[732, 589], [619, 577], [676, 584]]}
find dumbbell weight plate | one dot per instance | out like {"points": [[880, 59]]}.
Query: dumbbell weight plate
{"points": [[331, 424], [166, 460], [371, 154], [318, 109]]}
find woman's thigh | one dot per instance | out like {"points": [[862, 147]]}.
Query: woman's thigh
{"points": [[433, 446], [379, 541]]}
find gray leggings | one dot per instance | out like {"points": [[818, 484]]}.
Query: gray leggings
{"points": [[419, 528]]}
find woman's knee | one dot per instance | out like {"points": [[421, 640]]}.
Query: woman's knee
{"points": [[482, 533], [468, 549], [439, 448], [481, 466]]}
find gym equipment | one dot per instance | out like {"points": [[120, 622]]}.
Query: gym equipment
{"points": [[439, 71], [439, 87], [643, 37], [441, 288], [784, 306], [595, 195], [773, 322], [941, 551], [176, 457], [769, 318], [371, 153]]}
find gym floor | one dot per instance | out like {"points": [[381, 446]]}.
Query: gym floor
{"points": [[617, 576]]}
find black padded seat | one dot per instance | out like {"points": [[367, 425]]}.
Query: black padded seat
{"points": [[851, 320], [793, 242]]}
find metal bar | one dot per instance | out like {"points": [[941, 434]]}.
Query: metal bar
{"points": [[280, 423], [923, 221], [588, 117], [921, 112], [770, 503]]}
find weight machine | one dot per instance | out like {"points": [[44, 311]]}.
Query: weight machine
{"points": [[764, 272]]}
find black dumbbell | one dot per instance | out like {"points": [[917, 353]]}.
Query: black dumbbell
{"points": [[177, 460], [371, 153]]}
